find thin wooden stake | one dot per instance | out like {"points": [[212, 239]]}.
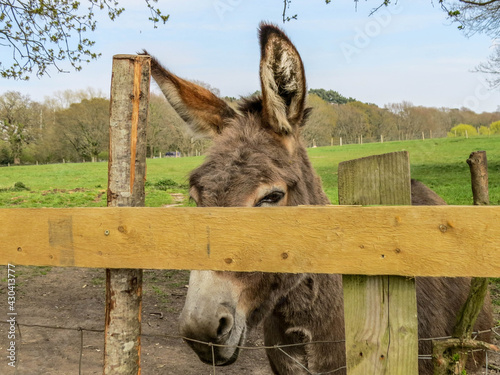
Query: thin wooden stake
{"points": [[478, 165], [126, 177]]}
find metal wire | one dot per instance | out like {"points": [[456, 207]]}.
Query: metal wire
{"points": [[81, 331]]}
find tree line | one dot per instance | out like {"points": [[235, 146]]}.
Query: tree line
{"points": [[336, 119], [72, 126]]}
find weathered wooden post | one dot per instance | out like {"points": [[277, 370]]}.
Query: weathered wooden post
{"points": [[380, 311], [479, 286], [478, 165], [450, 356], [126, 176]]}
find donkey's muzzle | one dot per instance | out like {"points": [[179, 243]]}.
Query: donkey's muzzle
{"points": [[212, 336]]}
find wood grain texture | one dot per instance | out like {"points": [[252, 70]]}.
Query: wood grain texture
{"points": [[127, 127], [381, 331], [398, 240], [376, 180], [380, 311], [126, 176]]}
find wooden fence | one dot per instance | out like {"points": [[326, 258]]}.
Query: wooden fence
{"points": [[459, 241]]}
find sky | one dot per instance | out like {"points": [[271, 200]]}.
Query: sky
{"points": [[405, 52]]}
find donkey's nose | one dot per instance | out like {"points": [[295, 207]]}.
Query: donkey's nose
{"points": [[205, 325], [226, 322], [221, 324]]}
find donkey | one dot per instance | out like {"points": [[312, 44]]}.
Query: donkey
{"points": [[259, 160]]}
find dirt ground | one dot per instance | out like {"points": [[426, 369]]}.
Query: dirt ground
{"points": [[73, 297]]}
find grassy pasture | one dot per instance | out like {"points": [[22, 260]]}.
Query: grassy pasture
{"points": [[439, 163]]}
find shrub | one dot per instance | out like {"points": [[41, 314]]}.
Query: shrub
{"points": [[5, 157], [19, 186], [461, 130], [495, 127], [484, 130], [165, 184], [104, 155]]}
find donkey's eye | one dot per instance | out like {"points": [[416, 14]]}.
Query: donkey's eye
{"points": [[271, 199]]}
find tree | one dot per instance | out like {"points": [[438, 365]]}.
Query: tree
{"points": [[63, 99], [168, 132], [331, 96], [321, 122], [157, 130], [495, 127], [375, 117], [479, 16], [484, 130], [85, 126], [462, 130], [42, 34], [406, 123], [17, 122], [474, 16], [492, 67], [352, 123]]}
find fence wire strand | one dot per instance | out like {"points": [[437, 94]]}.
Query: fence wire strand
{"points": [[81, 331]]}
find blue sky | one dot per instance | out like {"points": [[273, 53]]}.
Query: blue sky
{"points": [[408, 52]]}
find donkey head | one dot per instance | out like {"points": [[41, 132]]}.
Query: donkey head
{"points": [[257, 159]]}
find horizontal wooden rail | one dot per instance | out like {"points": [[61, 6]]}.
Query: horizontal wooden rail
{"points": [[391, 240]]}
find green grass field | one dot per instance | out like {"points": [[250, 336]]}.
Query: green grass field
{"points": [[439, 163]]}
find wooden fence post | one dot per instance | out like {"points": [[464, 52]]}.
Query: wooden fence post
{"points": [[448, 356], [380, 311], [479, 177], [126, 177]]}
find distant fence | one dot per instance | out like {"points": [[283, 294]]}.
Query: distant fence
{"points": [[348, 139]]}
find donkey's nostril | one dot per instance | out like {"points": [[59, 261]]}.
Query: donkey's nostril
{"points": [[225, 326]]}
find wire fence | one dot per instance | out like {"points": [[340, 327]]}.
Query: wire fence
{"points": [[489, 368]]}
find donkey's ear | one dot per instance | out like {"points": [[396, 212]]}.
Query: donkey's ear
{"points": [[204, 112], [283, 81]]}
